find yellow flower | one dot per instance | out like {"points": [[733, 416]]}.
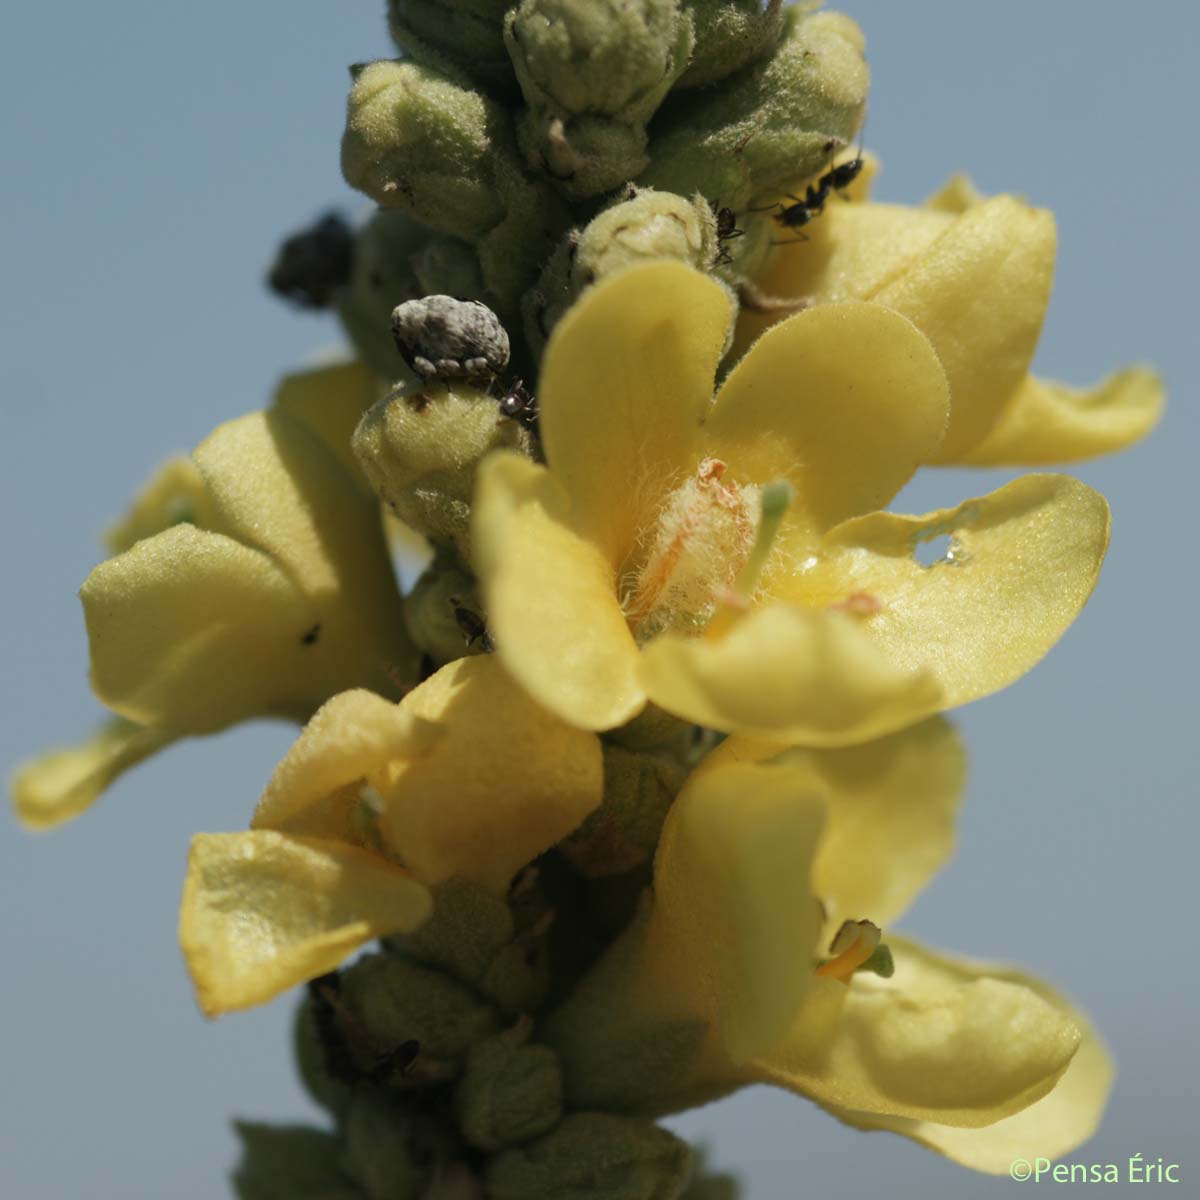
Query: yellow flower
{"points": [[652, 558], [466, 778], [250, 580], [973, 274], [764, 856]]}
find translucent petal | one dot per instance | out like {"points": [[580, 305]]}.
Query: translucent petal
{"points": [[891, 807], [941, 1041], [734, 924], [1047, 422], [57, 786], [505, 781], [626, 377], [1049, 1128], [1019, 566], [789, 675], [551, 598], [174, 494], [263, 911], [845, 401], [976, 283], [193, 631], [349, 738], [329, 400]]}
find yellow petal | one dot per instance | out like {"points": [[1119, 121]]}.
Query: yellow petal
{"points": [[980, 294], [626, 377], [59, 785], [845, 401], [939, 1041], [734, 925], [789, 675], [348, 738], [196, 629], [174, 494], [891, 807], [263, 911], [193, 631], [1022, 563], [329, 400], [1047, 422], [976, 284], [1050, 1128], [505, 781], [551, 598], [956, 195]]}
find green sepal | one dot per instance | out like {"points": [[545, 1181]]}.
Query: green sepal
{"points": [[423, 1018], [730, 34], [510, 1091], [623, 832], [593, 1156], [290, 1162]]}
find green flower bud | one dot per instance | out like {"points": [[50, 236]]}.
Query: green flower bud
{"points": [[393, 1003], [469, 33], [420, 447], [774, 123], [483, 942], [444, 611], [290, 1162], [613, 58], [593, 72], [444, 265], [423, 141], [623, 832], [331, 1094], [391, 1152], [730, 34], [382, 277], [510, 1091], [649, 225], [593, 1156]]}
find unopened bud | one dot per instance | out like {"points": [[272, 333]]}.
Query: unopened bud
{"points": [[510, 1091], [425, 142], [383, 276], [470, 33], [649, 225], [593, 1156], [420, 447], [290, 1162], [730, 34], [444, 611], [394, 1004], [593, 72], [391, 1152], [623, 832], [777, 121]]}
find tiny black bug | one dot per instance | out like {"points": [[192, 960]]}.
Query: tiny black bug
{"points": [[727, 230], [519, 404], [474, 627]]}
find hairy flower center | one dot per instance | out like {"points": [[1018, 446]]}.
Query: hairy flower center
{"points": [[702, 538]]}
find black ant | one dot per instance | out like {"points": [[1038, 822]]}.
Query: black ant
{"points": [[727, 230], [519, 404], [472, 626], [812, 205]]}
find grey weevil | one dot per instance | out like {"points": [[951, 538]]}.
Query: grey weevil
{"points": [[444, 338]]}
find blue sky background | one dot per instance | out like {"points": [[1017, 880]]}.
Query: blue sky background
{"points": [[153, 155]]}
